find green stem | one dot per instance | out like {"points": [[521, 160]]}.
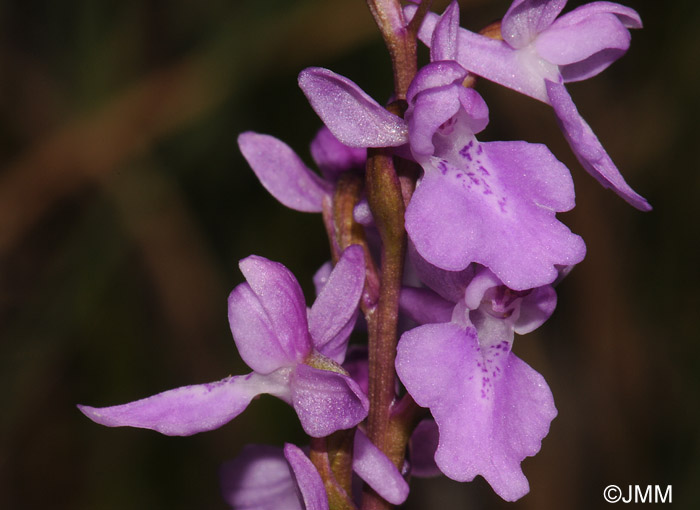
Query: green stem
{"points": [[338, 496], [340, 450], [405, 416]]}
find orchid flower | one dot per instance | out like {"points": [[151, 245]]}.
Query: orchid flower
{"points": [[295, 355], [491, 203], [539, 52], [491, 408], [265, 477]]}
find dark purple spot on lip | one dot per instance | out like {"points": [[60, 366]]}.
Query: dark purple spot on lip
{"points": [[479, 149], [473, 178], [442, 166], [505, 346], [483, 170]]}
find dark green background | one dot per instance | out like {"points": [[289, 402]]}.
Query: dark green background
{"points": [[125, 206]]}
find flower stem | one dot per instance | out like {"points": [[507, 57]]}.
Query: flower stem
{"points": [[399, 38], [386, 202], [338, 495]]}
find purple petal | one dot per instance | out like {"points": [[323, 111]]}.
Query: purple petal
{"points": [[282, 300], [435, 74], [523, 71], [444, 42], [569, 44], [282, 173], [332, 157], [375, 468], [424, 442], [448, 284], [353, 117], [254, 333], [259, 478], [190, 409], [587, 147], [513, 188], [334, 312], [424, 362], [535, 309], [326, 401], [492, 409], [522, 311], [425, 306], [435, 222], [307, 478], [476, 109], [483, 280], [628, 16], [527, 18], [321, 276], [433, 108], [591, 66], [357, 366]]}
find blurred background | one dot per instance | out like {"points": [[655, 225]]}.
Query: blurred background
{"points": [[125, 206]]}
